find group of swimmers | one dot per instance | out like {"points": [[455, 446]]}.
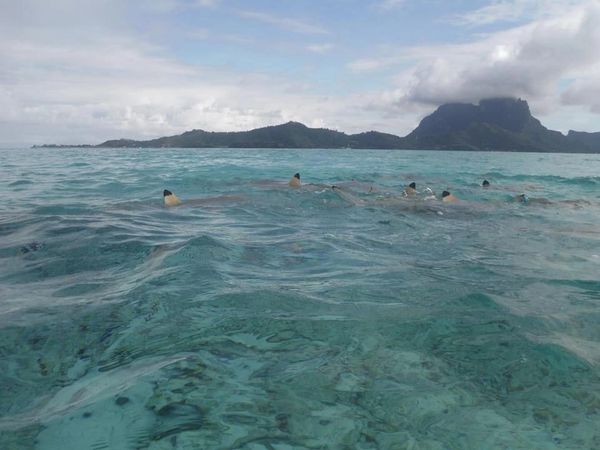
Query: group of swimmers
{"points": [[410, 190], [447, 197]]}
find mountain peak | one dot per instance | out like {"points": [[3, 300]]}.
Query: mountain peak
{"points": [[501, 124], [293, 124], [505, 113], [493, 124], [509, 113]]}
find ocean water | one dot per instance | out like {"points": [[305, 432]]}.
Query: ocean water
{"points": [[256, 316]]}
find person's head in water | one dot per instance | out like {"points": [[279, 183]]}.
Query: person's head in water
{"points": [[448, 197], [170, 198], [411, 189], [295, 181], [522, 198], [485, 183]]}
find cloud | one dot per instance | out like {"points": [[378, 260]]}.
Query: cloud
{"points": [[320, 48], [284, 23], [527, 61], [76, 73], [206, 3], [81, 73], [161, 6], [375, 64], [513, 11], [87, 91], [584, 92], [391, 4], [203, 34], [498, 11]]}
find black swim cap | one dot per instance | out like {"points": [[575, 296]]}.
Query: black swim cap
{"points": [[485, 183], [445, 194], [297, 176], [413, 185], [166, 192]]}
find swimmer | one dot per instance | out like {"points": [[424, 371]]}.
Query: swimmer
{"points": [[522, 198], [411, 189], [170, 198], [295, 181], [447, 197], [31, 247], [430, 195], [485, 183], [525, 199]]}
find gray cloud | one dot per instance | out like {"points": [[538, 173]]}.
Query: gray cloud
{"points": [[118, 86], [527, 61], [75, 72], [83, 78], [584, 92]]}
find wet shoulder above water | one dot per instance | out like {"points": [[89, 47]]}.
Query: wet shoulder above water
{"points": [[260, 316]]}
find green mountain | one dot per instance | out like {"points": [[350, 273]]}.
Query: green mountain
{"points": [[499, 124], [590, 140], [375, 140], [288, 135]]}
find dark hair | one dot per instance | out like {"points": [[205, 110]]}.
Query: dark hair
{"points": [[297, 176], [445, 194], [413, 185], [167, 192], [485, 183]]}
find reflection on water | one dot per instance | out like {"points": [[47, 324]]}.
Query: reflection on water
{"points": [[298, 318]]}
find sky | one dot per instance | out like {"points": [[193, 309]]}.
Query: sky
{"points": [[82, 71]]}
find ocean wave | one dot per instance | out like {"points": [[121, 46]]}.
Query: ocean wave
{"points": [[256, 310]]}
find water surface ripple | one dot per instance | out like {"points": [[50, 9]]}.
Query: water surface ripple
{"points": [[272, 318]]}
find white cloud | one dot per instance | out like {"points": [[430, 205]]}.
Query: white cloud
{"points": [[284, 23], [585, 91], [391, 4], [320, 48], [206, 3], [528, 61], [375, 64], [161, 6], [109, 87], [504, 10], [79, 73], [514, 10], [203, 34], [525, 61]]}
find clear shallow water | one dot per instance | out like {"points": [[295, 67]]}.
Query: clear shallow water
{"points": [[295, 318]]}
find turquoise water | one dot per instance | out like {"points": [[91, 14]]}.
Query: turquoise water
{"points": [[275, 318]]}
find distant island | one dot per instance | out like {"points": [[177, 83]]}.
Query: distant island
{"points": [[497, 124]]}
